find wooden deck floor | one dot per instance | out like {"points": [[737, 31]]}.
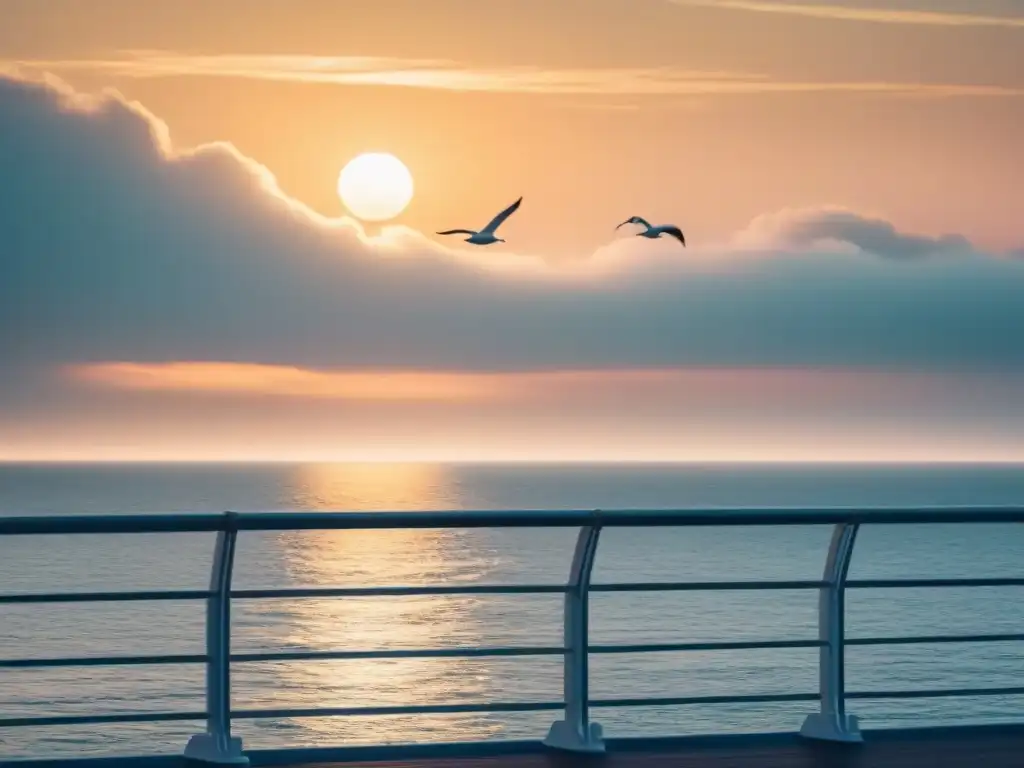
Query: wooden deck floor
{"points": [[940, 749]]}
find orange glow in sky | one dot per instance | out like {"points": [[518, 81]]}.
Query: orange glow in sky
{"points": [[183, 278]]}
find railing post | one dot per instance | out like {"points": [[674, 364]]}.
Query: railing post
{"points": [[576, 733], [217, 745], [832, 723]]}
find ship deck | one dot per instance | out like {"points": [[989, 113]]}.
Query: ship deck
{"points": [[992, 747]]}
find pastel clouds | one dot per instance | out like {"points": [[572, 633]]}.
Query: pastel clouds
{"points": [[448, 75], [118, 248], [878, 12]]}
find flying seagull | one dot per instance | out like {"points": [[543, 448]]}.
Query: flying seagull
{"points": [[486, 235], [655, 232]]}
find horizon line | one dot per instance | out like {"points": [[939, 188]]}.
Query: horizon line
{"points": [[1011, 462]]}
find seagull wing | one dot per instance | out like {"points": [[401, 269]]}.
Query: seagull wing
{"points": [[457, 232], [675, 232], [497, 220], [635, 220]]}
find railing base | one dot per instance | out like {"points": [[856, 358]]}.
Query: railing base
{"points": [[566, 736], [206, 748], [823, 727]]}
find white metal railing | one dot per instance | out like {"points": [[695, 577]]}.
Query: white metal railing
{"points": [[575, 731]]}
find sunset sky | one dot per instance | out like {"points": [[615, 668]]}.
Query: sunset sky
{"points": [[180, 281]]}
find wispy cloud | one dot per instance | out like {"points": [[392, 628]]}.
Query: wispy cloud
{"points": [[440, 74], [851, 13], [285, 381], [453, 76], [396, 385], [382, 385]]}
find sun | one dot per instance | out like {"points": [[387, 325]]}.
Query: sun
{"points": [[375, 186]]}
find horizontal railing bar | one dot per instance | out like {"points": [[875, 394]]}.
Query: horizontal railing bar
{"points": [[466, 589], [276, 656], [931, 639], [127, 717], [736, 645], [499, 589], [937, 693], [509, 651], [424, 709], [675, 701], [283, 521], [102, 661], [104, 597], [680, 701], [608, 703], [412, 709], [914, 583], [398, 653], [705, 586]]}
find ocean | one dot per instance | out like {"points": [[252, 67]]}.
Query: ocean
{"points": [[379, 558]]}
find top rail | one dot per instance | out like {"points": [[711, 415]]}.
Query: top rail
{"points": [[633, 518]]}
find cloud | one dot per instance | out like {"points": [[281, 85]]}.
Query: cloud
{"points": [[118, 249], [285, 381], [255, 380], [876, 14], [807, 228], [716, 387], [440, 74]]}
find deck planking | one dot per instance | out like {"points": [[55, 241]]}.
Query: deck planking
{"points": [[940, 749]]}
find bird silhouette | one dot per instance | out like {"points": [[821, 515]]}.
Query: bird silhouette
{"points": [[655, 232], [486, 235]]}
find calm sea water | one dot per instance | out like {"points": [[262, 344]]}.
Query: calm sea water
{"points": [[29, 564]]}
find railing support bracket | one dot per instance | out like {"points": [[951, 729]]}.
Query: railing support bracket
{"points": [[832, 723], [206, 748], [217, 745], [576, 733], [565, 736], [826, 728]]}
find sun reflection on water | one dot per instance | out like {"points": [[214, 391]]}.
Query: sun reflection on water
{"points": [[380, 558]]}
